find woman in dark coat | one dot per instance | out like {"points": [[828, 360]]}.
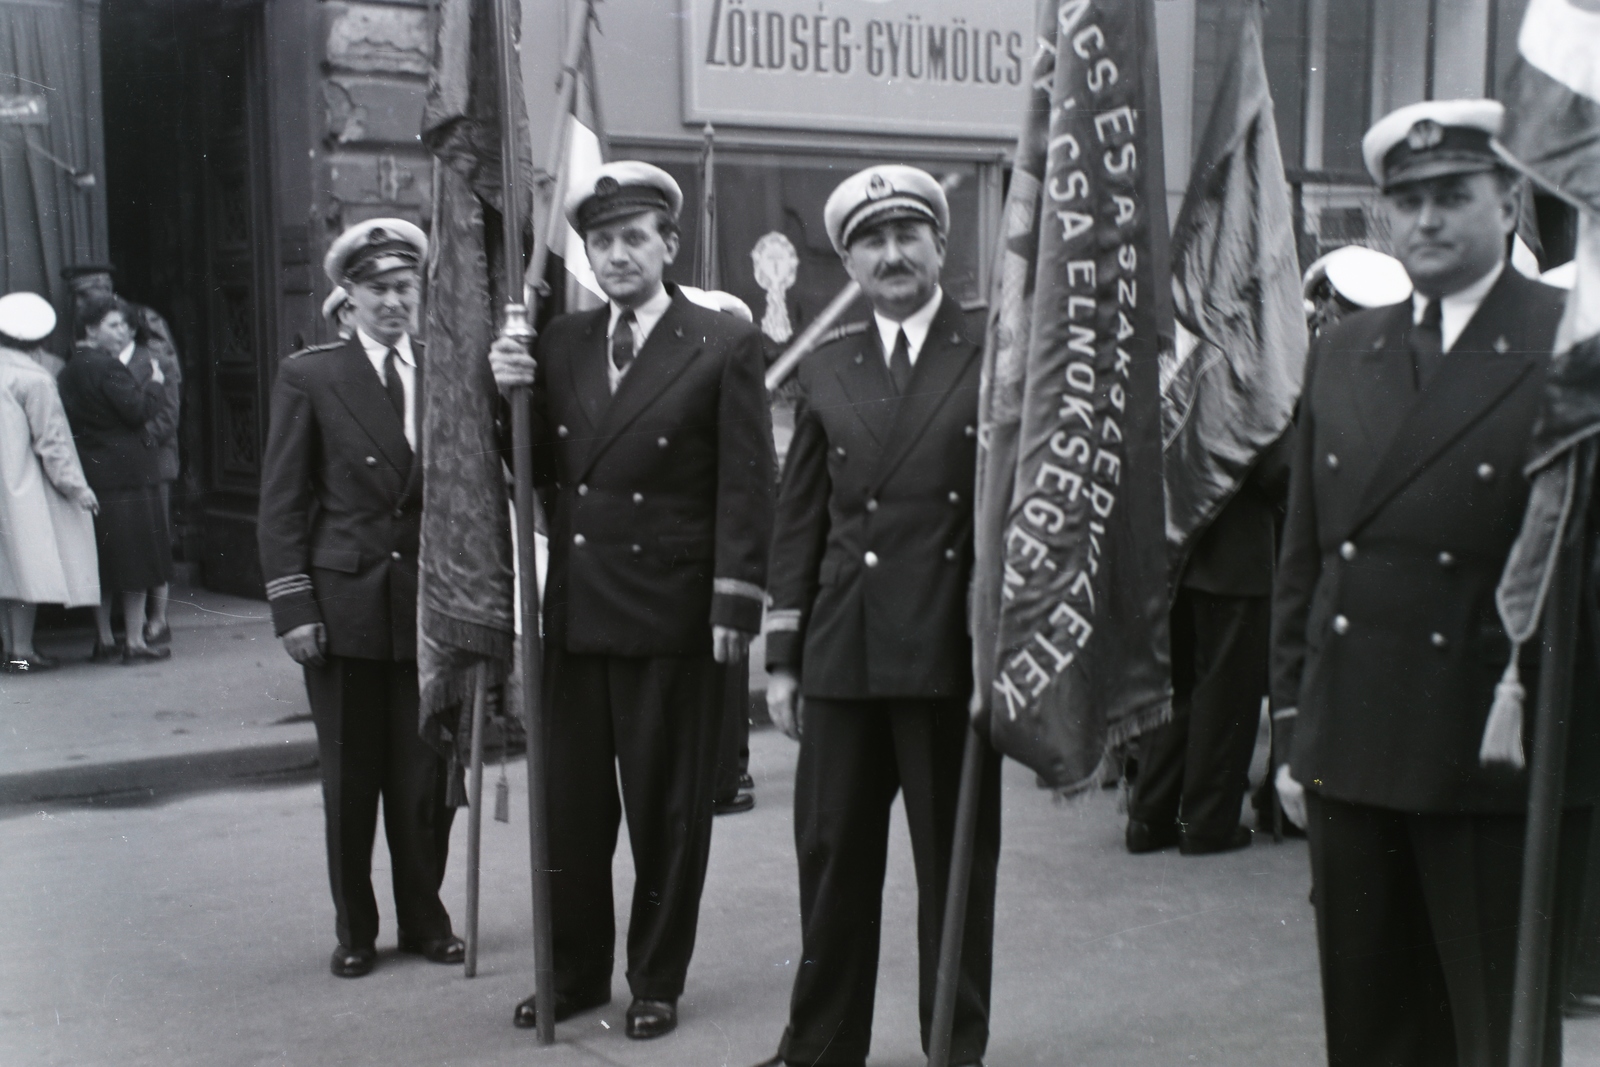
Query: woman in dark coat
{"points": [[109, 410]]}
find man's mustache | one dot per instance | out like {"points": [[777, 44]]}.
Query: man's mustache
{"points": [[895, 271]]}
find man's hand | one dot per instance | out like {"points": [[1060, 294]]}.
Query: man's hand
{"points": [[155, 372], [307, 644], [1292, 795], [86, 500], [511, 364], [784, 703], [729, 645]]}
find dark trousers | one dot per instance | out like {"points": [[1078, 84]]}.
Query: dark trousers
{"points": [[657, 720], [733, 747], [1195, 768], [365, 712], [1417, 932], [854, 756]]}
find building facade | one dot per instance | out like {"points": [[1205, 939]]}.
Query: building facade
{"points": [[213, 148]]}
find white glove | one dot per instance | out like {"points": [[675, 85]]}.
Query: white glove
{"points": [[1292, 795]]}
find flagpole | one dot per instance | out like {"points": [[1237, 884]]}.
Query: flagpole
{"points": [[973, 751], [1547, 783], [519, 318], [480, 696]]}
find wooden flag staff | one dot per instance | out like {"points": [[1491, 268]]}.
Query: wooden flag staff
{"points": [[519, 318]]}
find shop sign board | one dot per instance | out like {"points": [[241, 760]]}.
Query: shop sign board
{"points": [[939, 67], [24, 109]]}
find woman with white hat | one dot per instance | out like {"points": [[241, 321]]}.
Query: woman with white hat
{"points": [[47, 553]]}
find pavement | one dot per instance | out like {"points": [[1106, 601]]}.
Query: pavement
{"points": [[166, 902]]}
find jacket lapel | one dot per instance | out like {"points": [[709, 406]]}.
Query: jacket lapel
{"points": [[586, 366], [1477, 373], [945, 357], [360, 391], [663, 357], [866, 382]]}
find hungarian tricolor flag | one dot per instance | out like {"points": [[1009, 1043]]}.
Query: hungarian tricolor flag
{"points": [[1070, 583], [1552, 132]]}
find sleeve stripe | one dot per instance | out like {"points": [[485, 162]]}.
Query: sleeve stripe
{"points": [[784, 620], [1285, 713], [734, 587], [290, 585]]}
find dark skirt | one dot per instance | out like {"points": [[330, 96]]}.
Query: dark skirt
{"points": [[134, 539]]}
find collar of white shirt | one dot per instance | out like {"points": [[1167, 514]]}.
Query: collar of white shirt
{"points": [[916, 326], [377, 351], [645, 316], [1457, 309], [126, 355]]}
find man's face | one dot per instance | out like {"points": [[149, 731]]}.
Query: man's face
{"points": [[111, 333], [1450, 231], [897, 265], [385, 305], [629, 256], [90, 285]]}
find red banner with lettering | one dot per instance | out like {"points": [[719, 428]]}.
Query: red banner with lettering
{"points": [[1070, 596]]}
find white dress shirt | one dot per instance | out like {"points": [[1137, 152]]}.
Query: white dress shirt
{"points": [[645, 317], [916, 327], [126, 355], [1457, 309], [405, 366]]}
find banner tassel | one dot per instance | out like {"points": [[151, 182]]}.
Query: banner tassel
{"points": [[1502, 734]]}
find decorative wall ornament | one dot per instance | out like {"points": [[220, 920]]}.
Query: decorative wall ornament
{"points": [[776, 266]]}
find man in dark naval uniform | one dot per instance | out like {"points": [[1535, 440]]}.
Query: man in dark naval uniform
{"points": [[341, 513], [653, 445], [867, 640], [1406, 494]]}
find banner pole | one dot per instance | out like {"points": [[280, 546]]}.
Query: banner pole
{"points": [[480, 696], [1531, 990], [518, 324], [955, 902]]}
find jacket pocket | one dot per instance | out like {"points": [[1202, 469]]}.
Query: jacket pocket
{"points": [[344, 560]]}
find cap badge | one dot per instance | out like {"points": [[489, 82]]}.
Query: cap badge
{"points": [[1424, 134], [606, 186], [878, 187], [376, 235]]}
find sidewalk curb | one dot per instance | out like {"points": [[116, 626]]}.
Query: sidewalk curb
{"points": [[161, 776]]}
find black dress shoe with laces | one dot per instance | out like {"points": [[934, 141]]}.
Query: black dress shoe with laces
{"points": [[1144, 837], [651, 1018], [526, 1015], [449, 949], [734, 805], [350, 962]]}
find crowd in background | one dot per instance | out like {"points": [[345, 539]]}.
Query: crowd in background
{"points": [[88, 456]]}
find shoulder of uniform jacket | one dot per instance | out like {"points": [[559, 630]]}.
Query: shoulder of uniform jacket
{"points": [[839, 333], [329, 347]]}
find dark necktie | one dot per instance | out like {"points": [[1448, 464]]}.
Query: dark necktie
{"points": [[1427, 343], [900, 363], [393, 386], [622, 342]]}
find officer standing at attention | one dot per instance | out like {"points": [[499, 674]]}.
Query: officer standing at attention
{"points": [[340, 520], [653, 444], [1405, 497], [867, 646]]}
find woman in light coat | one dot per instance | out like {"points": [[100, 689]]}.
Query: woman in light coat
{"points": [[47, 552]]}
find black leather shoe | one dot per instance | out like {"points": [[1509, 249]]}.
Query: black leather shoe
{"points": [[1142, 837], [651, 1018], [734, 805], [1240, 838], [111, 653], [746, 782], [439, 950], [350, 962], [776, 1061], [526, 1015]]}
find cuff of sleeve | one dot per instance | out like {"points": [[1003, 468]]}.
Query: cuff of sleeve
{"points": [[736, 608], [293, 601], [1283, 720], [784, 640]]}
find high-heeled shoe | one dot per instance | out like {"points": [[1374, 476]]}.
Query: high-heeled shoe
{"points": [[103, 653]]}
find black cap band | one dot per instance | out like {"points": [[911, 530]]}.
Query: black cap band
{"points": [[371, 259], [1430, 150], [619, 202]]}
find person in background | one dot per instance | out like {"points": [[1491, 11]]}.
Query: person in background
{"points": [[47, 553], [155, 347], [110, 411], [339, 312], [1348, 279]]}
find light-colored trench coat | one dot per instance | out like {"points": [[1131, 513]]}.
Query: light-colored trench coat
{"points": [[47, 553]]}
